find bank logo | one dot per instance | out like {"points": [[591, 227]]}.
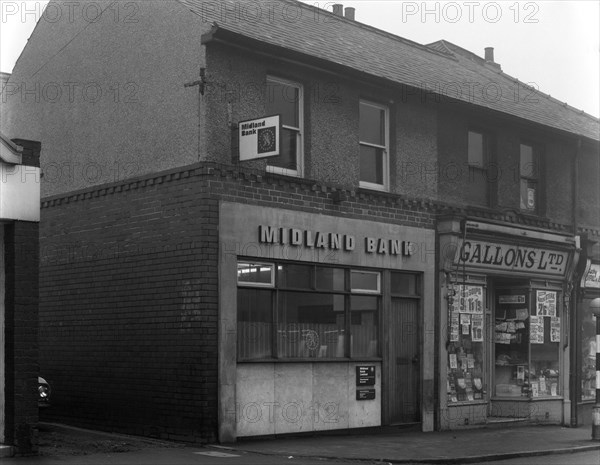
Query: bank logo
{"points": [[266, 140]]}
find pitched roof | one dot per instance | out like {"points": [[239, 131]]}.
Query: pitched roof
{"points": [[439, 68]]}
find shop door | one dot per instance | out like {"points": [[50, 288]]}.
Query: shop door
{"points": [[404, 362]]}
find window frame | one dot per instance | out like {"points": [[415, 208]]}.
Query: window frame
{"points": [[535, 177], [269, 285], [276, 289], [298, 172], [386, 148], [357, 290], [485, 162]]}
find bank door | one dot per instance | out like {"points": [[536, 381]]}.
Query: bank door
{"points": [[404, 362]]}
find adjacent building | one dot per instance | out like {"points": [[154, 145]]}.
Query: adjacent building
{"points": [[19, 219], [409, 257]]}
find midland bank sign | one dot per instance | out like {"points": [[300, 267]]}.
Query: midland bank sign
{"points": [[509, 257]]}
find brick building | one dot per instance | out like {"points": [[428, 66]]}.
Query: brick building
{"points": [[408, 257], [19, 218]]}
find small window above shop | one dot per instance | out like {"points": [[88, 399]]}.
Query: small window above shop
{"points": [[255, 274], [365, 281]]}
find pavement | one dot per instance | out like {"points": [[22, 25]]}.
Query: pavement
{"points": [[474, 445]]}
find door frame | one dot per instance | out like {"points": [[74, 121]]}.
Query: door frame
{"points": [[386, 337]]}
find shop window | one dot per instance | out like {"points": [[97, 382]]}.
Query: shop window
{"points": [[313, 312], [310, 325], [466, 359], [527, 336], [478, 160], [255, 323], [529, 169], [588, 352], [364, 320], [286, 99], [374, 145]]}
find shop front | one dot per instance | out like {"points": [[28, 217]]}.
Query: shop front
{"points": [[325, 323], [585, 340], [505, 310]]}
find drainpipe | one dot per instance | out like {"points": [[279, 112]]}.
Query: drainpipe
{"points": [[576, 297]]}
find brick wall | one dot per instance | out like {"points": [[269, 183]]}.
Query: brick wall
{"points": [[129, 292], [21, 332], [129, 297]]}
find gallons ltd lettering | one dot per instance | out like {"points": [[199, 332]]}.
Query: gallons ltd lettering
{"points": [[513, 257], [332, 241]]}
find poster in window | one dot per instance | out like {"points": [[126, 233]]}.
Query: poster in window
{"points": [[453, 362], [555, 329], [546, 303], [454, 329], [536, 330], [477, 328], [530, 198], [469, 299]]}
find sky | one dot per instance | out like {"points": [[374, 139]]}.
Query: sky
{"points": [[551, 45]]}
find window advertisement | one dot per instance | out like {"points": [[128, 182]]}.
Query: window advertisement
{"points": [[588, 353], [466, 335], [527, 334]]}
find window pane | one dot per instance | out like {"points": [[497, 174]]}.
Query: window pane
{"points": [[372, 124], [511, 337], [545, 334], [296, 276], [310, 325], [371, 164], [330, 279], [289, 150], [404, 284], [528, 195], [476, 149], [283, 99], [255, 273], [254, 328], [528, 166], [466, 362], [364, 321], [588, 353], [478, 188], [364, 281]]}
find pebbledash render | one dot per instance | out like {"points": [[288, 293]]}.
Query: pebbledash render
{"points": [[412, 256]]}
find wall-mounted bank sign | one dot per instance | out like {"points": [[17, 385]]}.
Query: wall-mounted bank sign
{"points": [[510, 257], [334, 241], [259, 138]]}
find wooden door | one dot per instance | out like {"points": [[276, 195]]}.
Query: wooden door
{"points": [[404, 364]]}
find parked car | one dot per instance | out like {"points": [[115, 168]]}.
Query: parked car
{"points": [[43, 393]]}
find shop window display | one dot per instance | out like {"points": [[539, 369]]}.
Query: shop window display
{"points": [[466, 343], [588, 353], [527, 335]]}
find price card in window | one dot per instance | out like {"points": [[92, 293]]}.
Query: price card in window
{"points": [[536, 330], [555, 329]]}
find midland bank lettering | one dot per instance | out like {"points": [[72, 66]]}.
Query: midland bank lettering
{"points": [[332, 241], [510, 257]]}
